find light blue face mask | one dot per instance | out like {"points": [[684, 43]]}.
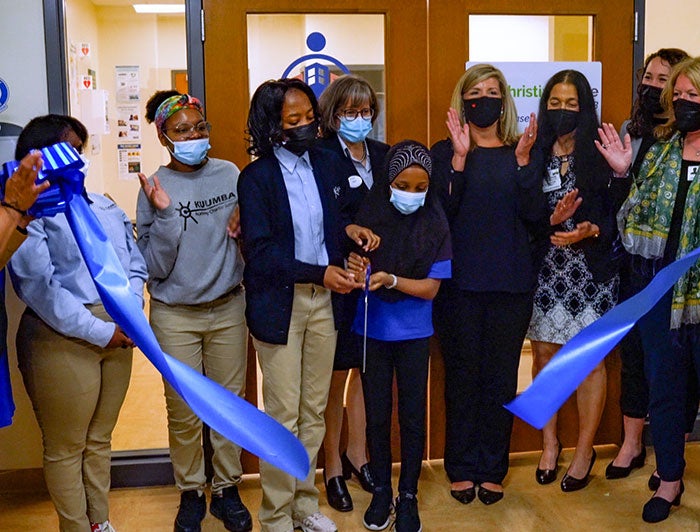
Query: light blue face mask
{"points": [[355, 130], [407, 202], [191, 152]]}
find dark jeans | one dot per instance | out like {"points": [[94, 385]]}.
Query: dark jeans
{"points": [[672, 361], [409, 360], [481, 335]]}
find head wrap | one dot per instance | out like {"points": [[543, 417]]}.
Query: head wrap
{"points": [[174, 104], [405, 154]]}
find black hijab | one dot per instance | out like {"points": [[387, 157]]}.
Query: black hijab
{"points": [[411, 243]]}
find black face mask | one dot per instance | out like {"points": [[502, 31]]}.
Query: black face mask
{"points": [[687, 115], [299, 139], [482, 112], [562, 121], [650, 100]]}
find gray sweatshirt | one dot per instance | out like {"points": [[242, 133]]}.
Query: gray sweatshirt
{"points": [[190, 257]]}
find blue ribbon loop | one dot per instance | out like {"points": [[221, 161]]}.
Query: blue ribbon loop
{"points": [[575, 360], [222, 410]]}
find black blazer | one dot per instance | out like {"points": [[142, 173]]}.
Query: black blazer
{"points": [[268, 240], [377, 154]]}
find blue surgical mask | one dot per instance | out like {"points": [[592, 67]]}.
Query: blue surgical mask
{"points": [[407, 202], [191, 152], [355, 130]]}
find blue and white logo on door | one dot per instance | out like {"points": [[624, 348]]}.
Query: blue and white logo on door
{"points": [[315, 74], [4, 95]]}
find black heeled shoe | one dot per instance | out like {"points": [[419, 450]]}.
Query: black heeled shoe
{"points": [[363, 475], [464, 496], [547, 476], [654, 482], [488, 496], [657, 509], [614, 472], [337, 493], [569, 483]]}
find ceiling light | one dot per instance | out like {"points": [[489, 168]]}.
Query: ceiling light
{"points": [[159, 8]]}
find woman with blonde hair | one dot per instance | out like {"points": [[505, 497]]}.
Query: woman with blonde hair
{"points": [[658, 223], [486, 178]]}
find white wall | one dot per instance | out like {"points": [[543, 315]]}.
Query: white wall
{"points": [[23, 68], [672, 24], [532, 41]]}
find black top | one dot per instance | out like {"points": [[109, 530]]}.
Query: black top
{"points": [[674, 232], [492, 206], [271, 269]]}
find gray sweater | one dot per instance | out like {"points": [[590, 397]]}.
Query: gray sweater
{"points": [[190, 257]]}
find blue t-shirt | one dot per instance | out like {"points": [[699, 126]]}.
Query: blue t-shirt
{"points": [[407, 319]]}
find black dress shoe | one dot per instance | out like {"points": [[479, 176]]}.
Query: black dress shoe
{"points": [[569, 483], [337, 493], [612, 471], [363, 475], [547, 476], [657, 509], [654, 482], [488, 496], [464, 496]]}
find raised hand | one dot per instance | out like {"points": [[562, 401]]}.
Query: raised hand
{"points": [[156, 194], [616, 153], [566, 207], [526, 142]]}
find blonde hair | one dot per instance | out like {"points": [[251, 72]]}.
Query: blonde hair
{"points": [[507, 129], [691, 69]]}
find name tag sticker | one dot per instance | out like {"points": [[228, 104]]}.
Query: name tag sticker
{"points": [[552, 181]]}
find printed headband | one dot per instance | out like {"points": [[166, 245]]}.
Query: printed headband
{"points": [[174, 104]]}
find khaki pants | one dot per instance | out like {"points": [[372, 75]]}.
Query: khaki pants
{"points": [[76, 389], [296, 380], [212, 340]]}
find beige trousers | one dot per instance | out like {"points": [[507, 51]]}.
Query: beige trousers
{"points": [[212, 340], [296, 380], [76, 389]]}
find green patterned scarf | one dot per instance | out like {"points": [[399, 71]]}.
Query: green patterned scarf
{"points": [[645, 219]]}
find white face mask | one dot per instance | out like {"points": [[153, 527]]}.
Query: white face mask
{"points": [[86, 164], [407, 202], [191, 152]]}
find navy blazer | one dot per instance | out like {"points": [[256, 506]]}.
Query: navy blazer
{"points": [[377, 154], [268, 240]]}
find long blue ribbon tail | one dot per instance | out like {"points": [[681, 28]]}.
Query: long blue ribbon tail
{"points": [[225, 412], [575, 360], [7, 405], [221, 409]]}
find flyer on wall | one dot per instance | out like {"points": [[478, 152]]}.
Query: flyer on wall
{"points": [[129, 160]]}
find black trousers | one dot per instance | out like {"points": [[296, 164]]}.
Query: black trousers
{"points": [[481, 335], [409, 360], [634, 391]]}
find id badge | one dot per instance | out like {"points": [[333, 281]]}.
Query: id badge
{"points": [[692, 172], [552, 181]]}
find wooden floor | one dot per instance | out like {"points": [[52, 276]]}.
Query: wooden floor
{"points": [[602, 506]]}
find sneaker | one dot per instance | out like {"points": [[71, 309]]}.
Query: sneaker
{"points": [[316, 522], [102, 527], [193, 508], [228, 507], [379, 511], [407, 519]]}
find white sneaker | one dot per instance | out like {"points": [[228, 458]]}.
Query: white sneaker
{"points": [[316, 522], [102, 527]]}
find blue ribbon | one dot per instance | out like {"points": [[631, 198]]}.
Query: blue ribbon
{"points": [[222, 410], [575, 360]]}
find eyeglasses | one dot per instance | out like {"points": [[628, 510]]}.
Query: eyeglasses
{"points": [[352, 114], [203, 128]]}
